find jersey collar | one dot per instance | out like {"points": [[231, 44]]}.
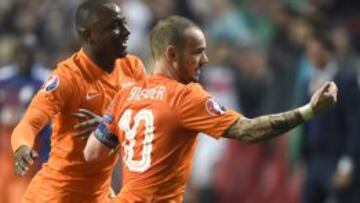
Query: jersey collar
{"points": [[89, 65]]}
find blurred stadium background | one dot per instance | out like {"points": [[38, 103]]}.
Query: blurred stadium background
{"points": [[258, 58]]}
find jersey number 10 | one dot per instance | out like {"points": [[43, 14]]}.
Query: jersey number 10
{"points": [[128, 145]]}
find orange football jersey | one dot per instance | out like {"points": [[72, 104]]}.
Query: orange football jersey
{"points": [[75, 83], [155, 123]]}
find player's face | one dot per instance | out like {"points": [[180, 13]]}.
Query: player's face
{"points": [[317, 54], [192, 57], [109, 31]]}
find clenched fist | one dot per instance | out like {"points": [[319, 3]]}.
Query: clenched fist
{"points": [[324, 98], [24, 157]]}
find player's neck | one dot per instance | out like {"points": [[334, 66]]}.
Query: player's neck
{"points": [[105, 62], [164, 69]]}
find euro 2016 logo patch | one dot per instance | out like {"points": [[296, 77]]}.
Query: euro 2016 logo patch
{"points": [[51, 84], [214, 108]]}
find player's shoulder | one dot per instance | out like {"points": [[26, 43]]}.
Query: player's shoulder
{"points": [[193, 88], [182, 92], [67, 66], [65, 73]]}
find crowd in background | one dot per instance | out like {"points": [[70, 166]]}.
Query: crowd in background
{"points": [[264, 57]]}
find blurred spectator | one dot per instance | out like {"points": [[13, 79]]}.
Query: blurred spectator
{"points": [[331, 142], [346, 56], [252, 80], [227, 22], [259, 14], [252, 173], [285, 53], [7, 46], [17, 87], [139, 26], [25, 61]]}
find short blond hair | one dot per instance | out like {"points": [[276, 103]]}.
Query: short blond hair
{"points": [[169, 31]]}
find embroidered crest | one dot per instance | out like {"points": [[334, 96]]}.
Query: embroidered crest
{"points": [[51, 83], [214, 108]]}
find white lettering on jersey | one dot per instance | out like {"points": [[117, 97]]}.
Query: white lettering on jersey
{"points": [[127, 84], [138, 93]]}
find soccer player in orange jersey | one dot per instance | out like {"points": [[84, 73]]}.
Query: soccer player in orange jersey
{"points": [[88, 79], [155, 122]]}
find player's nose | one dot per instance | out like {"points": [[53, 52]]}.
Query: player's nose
{"points": [[204, 59]]}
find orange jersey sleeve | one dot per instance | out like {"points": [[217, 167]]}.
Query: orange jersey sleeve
{"points": [[200, 112], [49, 100], [30, 125]]}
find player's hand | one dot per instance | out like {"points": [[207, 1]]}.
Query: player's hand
{"points": [[324, 98], [24, 157], [88, 123]]}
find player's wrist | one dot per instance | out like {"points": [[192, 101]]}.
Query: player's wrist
{"points": [[21, 147], [307, 112]]}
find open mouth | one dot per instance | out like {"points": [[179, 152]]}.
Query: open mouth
{"points": [[198, 71], [124, 42]]}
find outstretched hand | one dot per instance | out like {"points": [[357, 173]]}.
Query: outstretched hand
{"points": [[24, 157], [324, 98], [88, 123]]}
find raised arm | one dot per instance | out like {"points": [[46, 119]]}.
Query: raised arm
{"points": [[269, 126]]}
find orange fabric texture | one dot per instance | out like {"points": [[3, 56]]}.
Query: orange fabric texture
{"points": [[156, 122], [75, 83]]}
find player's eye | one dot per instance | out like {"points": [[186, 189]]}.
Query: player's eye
{"points": [[119, 23], [124, 21], [199, 51], [116, 24]]}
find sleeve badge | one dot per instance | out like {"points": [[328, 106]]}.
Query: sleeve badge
{"points": [[214, 108], [51, 83]]}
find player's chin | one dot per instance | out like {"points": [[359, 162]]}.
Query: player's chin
{"points": [[122, 53], [195, 79]]}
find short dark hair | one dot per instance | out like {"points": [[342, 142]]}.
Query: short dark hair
{"points": [[85, 12], [168, 31]]}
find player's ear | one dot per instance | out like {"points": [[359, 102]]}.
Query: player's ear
{"points": [[85, 35], [170, 53]]}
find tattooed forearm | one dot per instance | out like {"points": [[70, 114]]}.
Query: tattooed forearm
{"points": [[264, 127]]}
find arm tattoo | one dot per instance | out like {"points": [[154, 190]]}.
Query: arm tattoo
{"points": [[264, 127]]}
